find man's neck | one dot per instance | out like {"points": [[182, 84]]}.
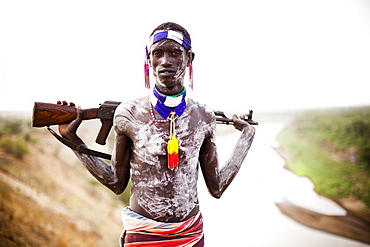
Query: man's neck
{"points": [[170, 91]]}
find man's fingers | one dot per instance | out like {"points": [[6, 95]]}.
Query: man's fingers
{"points": [[79, 113], [238, 123]]}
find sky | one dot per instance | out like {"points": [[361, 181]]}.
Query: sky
{"points": [[261, 55]]}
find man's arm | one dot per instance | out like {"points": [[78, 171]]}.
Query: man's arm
{"points": [[115, 176], [218, 180]]}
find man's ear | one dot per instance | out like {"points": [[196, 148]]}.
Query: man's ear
{"points": [[191, 57]]}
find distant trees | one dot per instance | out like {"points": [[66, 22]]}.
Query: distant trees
{"points": [[344, 128]]}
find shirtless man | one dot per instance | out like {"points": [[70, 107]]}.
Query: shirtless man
{"points": [[164, 190]]}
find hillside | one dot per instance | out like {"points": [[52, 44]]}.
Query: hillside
{"points": [[47, 197], [331, 148]]}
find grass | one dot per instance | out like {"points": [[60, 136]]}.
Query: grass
{"points": [[14, 137], [14, 146]]}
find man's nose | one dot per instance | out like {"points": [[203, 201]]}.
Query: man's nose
{"points": [[166, 60]]}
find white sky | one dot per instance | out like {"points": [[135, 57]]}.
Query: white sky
{"points": [[261, 55]]}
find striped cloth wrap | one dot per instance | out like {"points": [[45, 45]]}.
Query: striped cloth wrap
{"points": [[143, 231]]}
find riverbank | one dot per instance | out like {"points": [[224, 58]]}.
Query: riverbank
{"points": [[354, 225]]}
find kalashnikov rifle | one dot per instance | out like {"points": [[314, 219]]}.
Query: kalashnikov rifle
{"points": [[46, 114]]}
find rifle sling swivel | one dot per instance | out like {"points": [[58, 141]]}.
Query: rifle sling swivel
{"points": [[79, 148]]}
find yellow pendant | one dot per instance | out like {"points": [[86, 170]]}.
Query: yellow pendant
{"points": [[173, 153]]}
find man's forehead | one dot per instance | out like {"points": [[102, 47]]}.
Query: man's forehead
{"points": [[167, 43]]}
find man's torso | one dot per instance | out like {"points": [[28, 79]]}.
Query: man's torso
{"points": [[158, 192]]}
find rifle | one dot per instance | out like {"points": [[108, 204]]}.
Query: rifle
{"points": [[46, 114]]}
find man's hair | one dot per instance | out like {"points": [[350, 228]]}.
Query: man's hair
{"points": [[174, 27]]}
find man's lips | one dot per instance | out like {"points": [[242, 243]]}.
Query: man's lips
{"points": [[166, 72]]}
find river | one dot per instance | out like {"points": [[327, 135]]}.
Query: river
{"points": [[246, 215]]}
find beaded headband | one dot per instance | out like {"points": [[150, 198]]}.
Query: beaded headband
{"points": [[170, 34], [158, 36]]}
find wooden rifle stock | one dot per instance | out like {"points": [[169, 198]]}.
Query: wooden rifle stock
{"points": [[46, 114]]}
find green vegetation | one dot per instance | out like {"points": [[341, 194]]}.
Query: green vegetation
{"points": [[332, 148], [11, 126], [344, 128], [15, 147], [13, 138]]}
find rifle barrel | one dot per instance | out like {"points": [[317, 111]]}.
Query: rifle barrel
{"points": [[228, 121]]}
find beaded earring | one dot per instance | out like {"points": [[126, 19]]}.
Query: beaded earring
{"points": [[146, 71], [191, 76], [191, 69]]}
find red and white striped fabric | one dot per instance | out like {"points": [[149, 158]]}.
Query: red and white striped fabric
{"points": [[142, 231]]}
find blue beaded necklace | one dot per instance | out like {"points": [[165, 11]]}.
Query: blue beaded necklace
{"points": [[162, 103]]}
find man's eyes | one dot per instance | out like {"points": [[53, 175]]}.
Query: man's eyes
{"points": [[157, 53], [176, 52], [160, 53]]}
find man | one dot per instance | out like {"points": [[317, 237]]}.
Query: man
{"points": [[161, 141]]}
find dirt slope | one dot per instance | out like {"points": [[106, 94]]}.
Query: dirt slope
{"points": [[49, 199]]}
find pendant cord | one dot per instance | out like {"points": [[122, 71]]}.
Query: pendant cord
{"points": [[172, 124], [173, 143]]}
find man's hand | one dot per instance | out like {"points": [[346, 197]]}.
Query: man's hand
{"points": [[240, 124], [69, 130]]}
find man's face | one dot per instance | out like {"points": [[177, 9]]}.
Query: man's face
{"points": [[169, 61]]}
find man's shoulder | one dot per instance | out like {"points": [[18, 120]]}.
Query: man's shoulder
{"points": [[196, 107], [129, 113], [135, 105]]}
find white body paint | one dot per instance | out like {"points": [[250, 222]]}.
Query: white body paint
{"points": [[162, 192]]}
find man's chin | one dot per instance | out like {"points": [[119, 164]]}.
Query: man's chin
{"points": [[168, 83]]}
